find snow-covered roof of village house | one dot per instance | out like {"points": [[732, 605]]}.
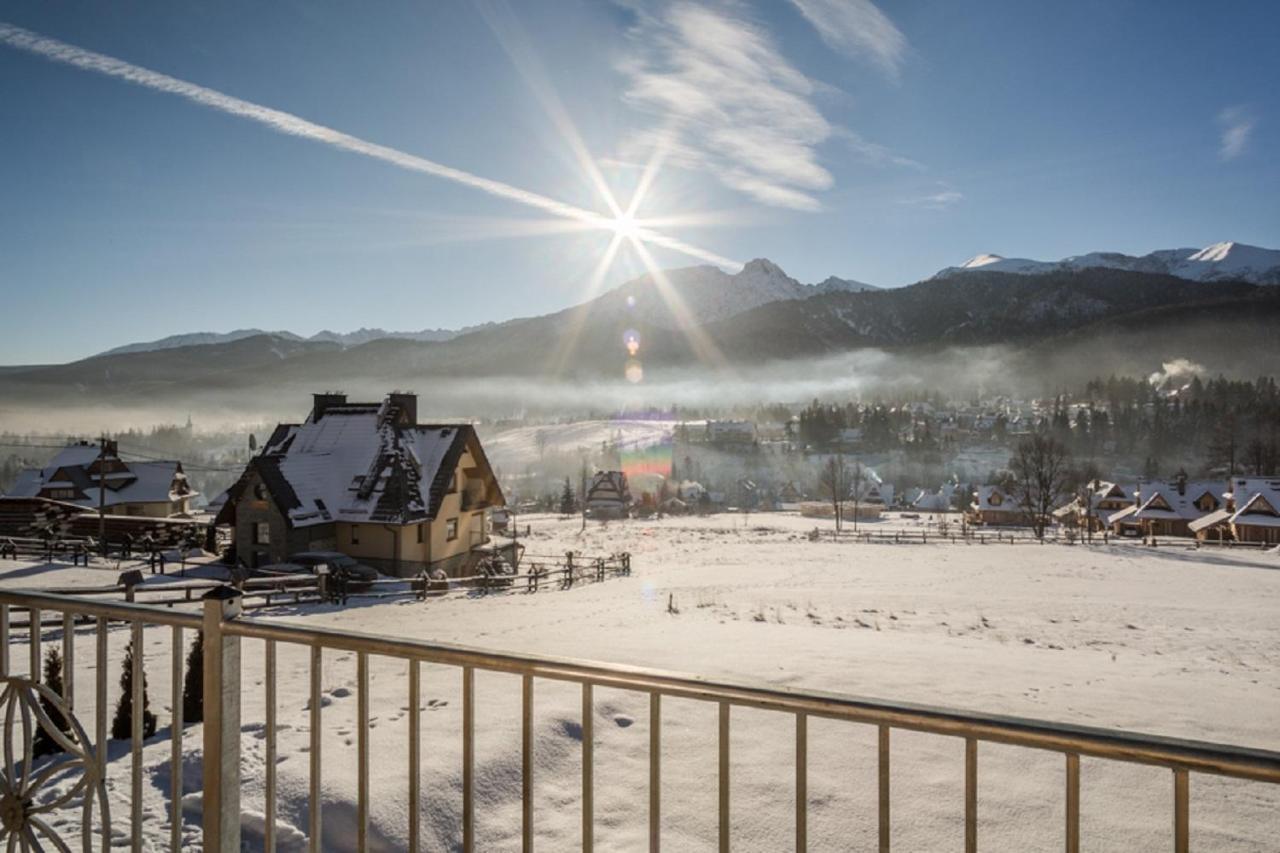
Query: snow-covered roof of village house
{"points": [[1006, 502], [1257, 501], [358, 463], [137, 482], [936, 501], [1167, 501]]}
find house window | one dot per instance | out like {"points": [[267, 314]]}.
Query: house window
{"points": [[420, 526], [451, 529], [996, 499], [355, 534], [262, 533]]}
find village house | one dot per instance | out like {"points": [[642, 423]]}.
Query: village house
{"points": [[609, 495], [1250, 513], [1167, 508], [368, 480], [91, 477], [993, 506], [942, 500], [1095, 510]]}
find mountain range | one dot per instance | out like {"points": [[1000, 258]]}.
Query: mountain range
{"points": [[1068, 319], [344, 339], [709, 294], [1227, 261]]}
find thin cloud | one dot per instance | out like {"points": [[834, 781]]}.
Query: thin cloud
{"points": [[1237, 125], [293, 125], [857, 29], [945, 197]]}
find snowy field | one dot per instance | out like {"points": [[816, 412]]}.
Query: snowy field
{"points": [[1170, 641]]}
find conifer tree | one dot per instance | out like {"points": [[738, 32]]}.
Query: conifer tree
{"points": [[44, 744], [567, 499], [122, 723], [193, 685]]}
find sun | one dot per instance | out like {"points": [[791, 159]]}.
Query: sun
{"points": [[625, 226]]}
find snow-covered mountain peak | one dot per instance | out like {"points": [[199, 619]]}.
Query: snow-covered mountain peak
{"points": [[1226, 261], [762, 266], [1216, 252], [982, 260]]}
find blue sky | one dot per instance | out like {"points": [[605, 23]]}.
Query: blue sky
{"points": [[875, 142]]}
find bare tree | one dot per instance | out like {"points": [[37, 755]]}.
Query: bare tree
{"points": [[1041, 467], [857, 480], [834, 481]]}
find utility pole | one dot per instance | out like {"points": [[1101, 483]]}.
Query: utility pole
{"points": [[102, 494]]}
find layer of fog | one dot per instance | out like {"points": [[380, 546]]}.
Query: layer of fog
{"points": [[959, 373]]}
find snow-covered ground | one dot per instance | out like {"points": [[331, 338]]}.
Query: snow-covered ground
{"points": [[515, 446], [1170, 641]]}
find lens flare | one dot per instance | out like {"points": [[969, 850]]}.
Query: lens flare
{"points": [[631, 340], [634, 372]]}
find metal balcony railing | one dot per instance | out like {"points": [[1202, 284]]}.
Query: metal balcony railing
{"points": [[223, 632]]}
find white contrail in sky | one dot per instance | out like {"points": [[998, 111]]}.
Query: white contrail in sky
{"points": [[283, 122]]}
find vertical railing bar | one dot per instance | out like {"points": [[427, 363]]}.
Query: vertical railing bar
{"points": [[971, 795], [1181, 811], [69, 660], [175, 742], [314, 821], [1073, 803], [100, 698], [724, 777], [802, 782], [4, 640], [34, 615], [415, 771], [588, 769], [526, 763], [884, 789], [135, 735], [362, 751], [100, 716], [468, 759], [269, 806], [655, 771]]}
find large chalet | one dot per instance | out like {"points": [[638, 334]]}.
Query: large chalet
{"points": [[370, 481]]}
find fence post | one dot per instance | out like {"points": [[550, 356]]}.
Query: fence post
{"points": [[221, 764]]}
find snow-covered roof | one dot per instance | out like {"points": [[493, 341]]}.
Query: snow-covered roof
{"points": [[1257, 501], [129, 483], [1168, 501], [356, 463], [938, 501], [995, 499]]}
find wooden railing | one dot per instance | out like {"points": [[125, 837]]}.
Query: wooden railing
{"points": [[223, 630]]}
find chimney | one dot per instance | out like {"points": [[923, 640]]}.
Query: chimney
{"points": [[321, 403], [407, 404]]}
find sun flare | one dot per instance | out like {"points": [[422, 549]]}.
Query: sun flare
{"points": [[625, 226]]}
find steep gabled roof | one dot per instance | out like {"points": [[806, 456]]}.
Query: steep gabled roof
{"points": [[74, 467], [356, 464], [1164, 501]]}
